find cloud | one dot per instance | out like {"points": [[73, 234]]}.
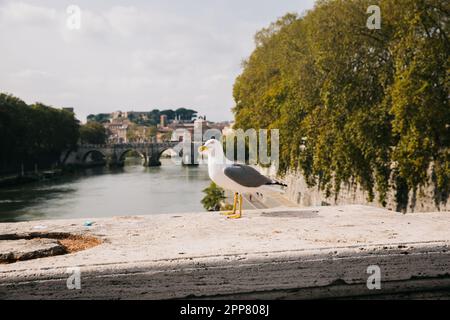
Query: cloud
{"points": [[31, 74], [27, 14], [143, 55], [126, 21]]}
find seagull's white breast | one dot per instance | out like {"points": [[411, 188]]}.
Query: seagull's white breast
{"points": [[217, 162], [216, 173]]}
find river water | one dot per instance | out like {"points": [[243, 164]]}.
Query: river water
{"points": [[100, 192]]}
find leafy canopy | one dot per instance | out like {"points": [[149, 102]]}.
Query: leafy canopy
{"points": [[355, 105]]}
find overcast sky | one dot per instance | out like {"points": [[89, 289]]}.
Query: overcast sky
{"points": [[132, 55]]}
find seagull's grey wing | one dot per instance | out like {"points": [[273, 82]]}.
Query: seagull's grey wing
{"points": [[246, 176]]}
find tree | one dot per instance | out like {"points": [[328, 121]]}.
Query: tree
{"points": [[169, 113], [33, 134], [185, 114], [371, 105], [420, 90], [214, 195], [101, 118], [93, 133]]}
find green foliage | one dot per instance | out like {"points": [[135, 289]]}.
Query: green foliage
{"points": [[171, 115], [355, 105], [100, 118], [151, 118], [93, 133], [185, 114], [148, 119], [214, 195], [33, 134]]}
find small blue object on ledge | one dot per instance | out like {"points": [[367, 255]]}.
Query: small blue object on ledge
{"points": [[88, 224]]}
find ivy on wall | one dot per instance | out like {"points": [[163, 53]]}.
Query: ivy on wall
{"points": [[355, 105]]}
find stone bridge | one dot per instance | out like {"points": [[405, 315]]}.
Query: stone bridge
{"points": [[115, 154]]}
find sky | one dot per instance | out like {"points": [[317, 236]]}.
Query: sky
{"points": [[132, 55]]}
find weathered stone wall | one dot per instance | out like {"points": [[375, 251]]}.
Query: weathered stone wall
{"points": [[299, 192]]}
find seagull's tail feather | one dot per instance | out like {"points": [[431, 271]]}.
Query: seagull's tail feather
{"points": [[275, 186], [276, 183]]}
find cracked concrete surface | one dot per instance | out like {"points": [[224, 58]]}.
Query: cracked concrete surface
{"points": [[23, 249], [318, 252]]}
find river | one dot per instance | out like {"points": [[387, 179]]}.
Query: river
{"points": [[101, 192]]}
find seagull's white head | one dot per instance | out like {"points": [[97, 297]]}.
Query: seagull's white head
{"points": [[212, 148]]}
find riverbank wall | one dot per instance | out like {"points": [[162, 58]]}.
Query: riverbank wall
{"points": [[423, 200], [282, 253]]}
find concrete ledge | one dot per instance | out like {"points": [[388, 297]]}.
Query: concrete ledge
{"points": [[18, 250], [280, 253]]}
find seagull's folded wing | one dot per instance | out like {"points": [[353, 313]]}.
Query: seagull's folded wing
{"points": [[245, 176]]}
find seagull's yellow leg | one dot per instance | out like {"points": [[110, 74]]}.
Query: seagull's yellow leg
{"points": [[238, 215], [230, 213]]}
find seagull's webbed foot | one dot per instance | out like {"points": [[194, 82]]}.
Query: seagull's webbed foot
{"points": [[228, 213]]}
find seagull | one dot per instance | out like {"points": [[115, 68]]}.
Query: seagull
{"points": [[236, 177]]}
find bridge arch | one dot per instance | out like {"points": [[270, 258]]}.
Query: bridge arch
{"points": [[163, 150], [114, 154], [192, 157], [88, 153], [122, 155]]}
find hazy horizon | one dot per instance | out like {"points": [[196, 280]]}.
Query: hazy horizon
{"points": [[134, 55]]}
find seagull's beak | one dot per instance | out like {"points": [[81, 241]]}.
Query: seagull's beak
{"points": [[202, 149]]}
